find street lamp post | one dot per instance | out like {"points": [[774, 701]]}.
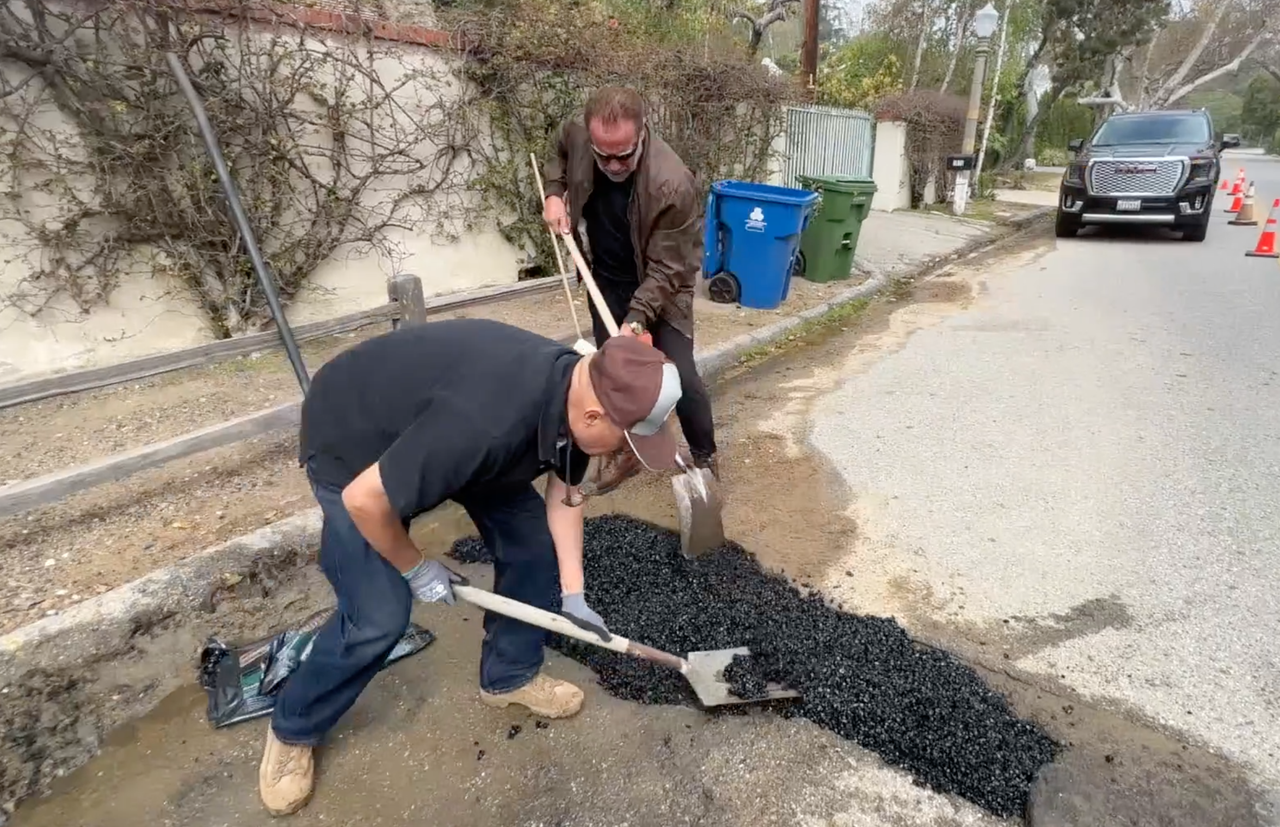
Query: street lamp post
{"points": [[984, 25]]}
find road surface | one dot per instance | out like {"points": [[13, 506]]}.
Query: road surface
{"points": [[1085, 466]]}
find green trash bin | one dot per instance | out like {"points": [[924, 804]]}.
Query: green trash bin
{"points": [[829, 242]]}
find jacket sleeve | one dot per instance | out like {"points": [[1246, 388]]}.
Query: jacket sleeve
{"points": [[555, 177], [671, 258]]}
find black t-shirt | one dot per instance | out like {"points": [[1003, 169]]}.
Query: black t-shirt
{"points": [[613, 255], [450, 410]]}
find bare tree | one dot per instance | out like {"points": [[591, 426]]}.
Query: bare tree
{"points": [[964, 12], [764, 16], [1229, 34]]}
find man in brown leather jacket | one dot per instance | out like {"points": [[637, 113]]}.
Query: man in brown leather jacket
{"points": [[640, 208]]}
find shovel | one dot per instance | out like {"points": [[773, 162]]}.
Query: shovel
{"points": [[582, 345], [703, 670], [698, 504]]}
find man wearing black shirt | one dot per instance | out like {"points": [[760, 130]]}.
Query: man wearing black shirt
{"points": [[641, 209], [473, 411]]}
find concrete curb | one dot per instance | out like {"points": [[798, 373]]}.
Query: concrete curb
{"points": [[104, 626], [83, 647]]}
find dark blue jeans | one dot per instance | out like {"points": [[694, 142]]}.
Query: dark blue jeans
{"points": [[374, 602]]}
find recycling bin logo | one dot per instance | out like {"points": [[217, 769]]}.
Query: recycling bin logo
{"points": [[755, 221]]}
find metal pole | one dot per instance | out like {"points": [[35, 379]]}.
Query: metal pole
{"points": [[241, 219], [960, 198]]}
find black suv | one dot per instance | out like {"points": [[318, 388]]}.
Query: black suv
{"points": [[1153, 168]]}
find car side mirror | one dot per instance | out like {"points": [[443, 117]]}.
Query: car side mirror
{"points": [[1230, 141], [1075, 144]]}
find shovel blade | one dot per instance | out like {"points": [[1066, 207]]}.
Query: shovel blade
{"points": [[706, 676], [699, 509]]}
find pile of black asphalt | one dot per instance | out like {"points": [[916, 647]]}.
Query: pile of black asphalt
{"points": [[861, 677]]}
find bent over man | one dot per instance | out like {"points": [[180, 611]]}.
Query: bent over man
{"points": [[473, 411], [640, 207]]}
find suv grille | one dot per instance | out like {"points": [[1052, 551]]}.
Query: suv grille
{"points": [[1128, 177]]}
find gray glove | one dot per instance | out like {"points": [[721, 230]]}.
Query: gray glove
{"points": [[432, 582], [575, 608]]}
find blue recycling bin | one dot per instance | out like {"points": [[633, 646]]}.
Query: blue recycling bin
{"points": [[751, 239]]}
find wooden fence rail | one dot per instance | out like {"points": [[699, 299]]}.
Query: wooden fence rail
{"points": [[409, 307], [406, 303]]}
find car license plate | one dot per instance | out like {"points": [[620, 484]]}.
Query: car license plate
{"points": [[1129, 205]]}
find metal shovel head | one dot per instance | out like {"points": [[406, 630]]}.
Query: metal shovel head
{"points": [[698, 507], [706, 676]]}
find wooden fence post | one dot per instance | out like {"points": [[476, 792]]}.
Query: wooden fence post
{"points": [[406, 291]]}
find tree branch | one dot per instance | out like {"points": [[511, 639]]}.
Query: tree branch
{"points": [[1206, 37], [1226, 69]]}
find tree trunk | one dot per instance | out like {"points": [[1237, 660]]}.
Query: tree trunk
{"points": [[925, 20], [1167, 89], [962, 20], [1144, 73], [1027, 146]]}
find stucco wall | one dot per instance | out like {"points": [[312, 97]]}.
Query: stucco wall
{"points": [[149, 312]]}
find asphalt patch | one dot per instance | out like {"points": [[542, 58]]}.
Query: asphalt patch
{"points": [[863, 678], [747, 677]]}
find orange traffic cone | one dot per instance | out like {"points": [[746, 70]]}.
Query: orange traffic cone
{"points": [[1244, 216], [1267, 241], [1237, 194], [1225, 187]]}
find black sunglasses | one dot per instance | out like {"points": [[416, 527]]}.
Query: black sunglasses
{"points": [[621, 156]]}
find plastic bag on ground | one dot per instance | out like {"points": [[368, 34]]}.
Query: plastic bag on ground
{"points": [[242, 682]]}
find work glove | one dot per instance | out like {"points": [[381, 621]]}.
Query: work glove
{"points": [[432, 582], [575, 608]]}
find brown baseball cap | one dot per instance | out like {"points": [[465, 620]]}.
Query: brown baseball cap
{"points": [[638, 387]]}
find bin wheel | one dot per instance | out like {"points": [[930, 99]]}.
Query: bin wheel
{"points": [[724, 288], [798, 266]]}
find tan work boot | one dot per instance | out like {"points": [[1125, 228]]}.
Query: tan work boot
{"points": [[286, 776], [610, 472], [547, 697]]}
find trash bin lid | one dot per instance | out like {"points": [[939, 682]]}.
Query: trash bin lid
{"points": [[764, 192], [839, 183]]}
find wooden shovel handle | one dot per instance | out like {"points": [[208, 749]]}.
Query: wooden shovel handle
{"points": [[550, 621], [602, 307], [657, 656], [561, 625]]}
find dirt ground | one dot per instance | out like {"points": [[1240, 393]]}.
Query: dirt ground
{"points": [[54, 557], [419, 749]]}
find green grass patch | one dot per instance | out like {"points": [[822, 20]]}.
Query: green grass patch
{"points": [[838, 317]]}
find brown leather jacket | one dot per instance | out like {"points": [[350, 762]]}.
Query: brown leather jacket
{"points": [[666, 222]]}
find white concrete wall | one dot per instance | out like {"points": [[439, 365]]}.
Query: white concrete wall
{"points": [[890, 169], [150, 312]]}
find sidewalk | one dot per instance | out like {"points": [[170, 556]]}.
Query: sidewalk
{"points": [[90, 543]]}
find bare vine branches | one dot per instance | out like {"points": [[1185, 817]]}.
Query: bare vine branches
{"points": [[335, 145]]}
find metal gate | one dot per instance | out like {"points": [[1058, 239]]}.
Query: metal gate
{"points": [[827, 140]]}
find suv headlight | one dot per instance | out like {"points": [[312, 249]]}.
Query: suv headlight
{"points": [[1201, 170], [1075, 174]]}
